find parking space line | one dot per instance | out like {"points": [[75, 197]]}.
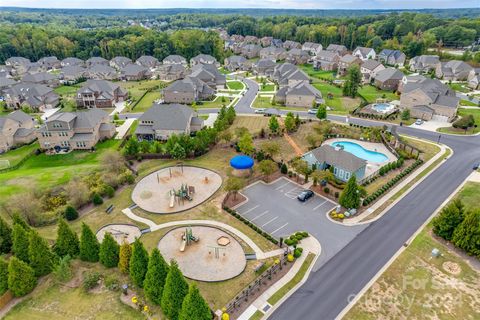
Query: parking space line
{"points": [[264, 213], [289, 191], [251, 209], [283, 185], [279, 228], [321, 204], [270, 221]]}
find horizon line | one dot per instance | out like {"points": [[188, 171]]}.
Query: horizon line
{"points": [[231, 8]]}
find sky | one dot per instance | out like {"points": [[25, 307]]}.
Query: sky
{"points": [[297, 4]]}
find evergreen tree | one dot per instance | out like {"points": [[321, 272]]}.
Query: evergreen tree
{"points": [[352, 84], [138, 263], [109, 250], [5, 237], [467, 235], [290, 122], [194, 306], [174, 291], [40, 256], [21, 277], [350, 197], [155, 277], [3, 276], [70, 213], [67, 240], [20, 242], [17, 219], [125, 255], [89, 246], [322, 112], [273, 124], [448, 220]]}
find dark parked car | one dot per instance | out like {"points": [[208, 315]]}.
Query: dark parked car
{"points": [[305, 195], [476, 166]]}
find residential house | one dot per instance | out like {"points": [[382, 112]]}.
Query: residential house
{"points": [[289, 45], [5, 83], [237, 38], [35, 67], [44, 78], [429, 99], [100, 94], [203, 59], [287, 74], [20, 64], [264, 67], [277, 43], [266, 41], [175, 59], [326, 60], [273, 53], [96, 60], [364, 53], [369, 69], [16, 128], [234, 63], [120, 62], [68, 62], [251, 39], [161, 121], [474, 78], [170, 72], [50, 63], [148, 62], [251, 51], [300, 94], [344, 164], [36, 96], [346, 62], [209, 74], [392, 57], [101, 72], [312, 48], [71, 74], [424, 63], [75, 130], [388, 79], [297, 56], [134, 72], [187, 91], [6, 71], [453, 70], [341, 50]]}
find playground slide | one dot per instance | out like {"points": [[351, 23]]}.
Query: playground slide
{"points": [[182, 247], [172, 200]]}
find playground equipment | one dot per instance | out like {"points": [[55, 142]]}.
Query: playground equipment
{"points": [[185, 192], [187, 238]]}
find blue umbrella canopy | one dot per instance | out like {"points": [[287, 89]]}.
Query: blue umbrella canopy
{"points": [[241, 162]]}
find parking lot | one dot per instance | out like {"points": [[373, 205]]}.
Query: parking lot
{"points": [[274, 208]]}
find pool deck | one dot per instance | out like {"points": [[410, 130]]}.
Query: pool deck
{"points": [[372, 167]]}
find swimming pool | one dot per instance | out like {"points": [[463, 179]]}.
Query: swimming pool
{"points": [[361, 152], [382, 107]]}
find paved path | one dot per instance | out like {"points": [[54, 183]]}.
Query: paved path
{"points": [[123, 129], [119, 106], [294, 145]]}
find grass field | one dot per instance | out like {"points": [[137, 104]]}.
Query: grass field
{"points": [[235, 85], [464, 112], [317, 74], [267, 87], [417, 286], [146, 102], [468, 103], [253, 124], [15, 156], [339, 104], [138, 88], [371, 94], [263, 102], [460, 87]]}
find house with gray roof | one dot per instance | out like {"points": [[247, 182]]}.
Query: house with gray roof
{"points": [[424, 63], [429, 99], [251, 39], [264, 67], [71, 74], [176, 59], [344, 163], [312, 48], [75, 130], [299, 94], [346, 62], [16, 128], [392, 57], [234, 63], [388, 79], [209, 74], [44, 78], [134, 72], [170, 72], [474, 78], [297, 56], [50, 63], [454, 70], [36, 96], [101, 72], [364, 53], [187, 91], [338, 48], [273, 53], [5, 83], [289, 45], [287, 74], [326, 60], [369, 69], [6, 71], [35, 67], [266, 41], [72, 61], [120, 62], [161, 121], [204, 59], [100, 94], [20, 64], [148, 62], [250, 50], [96, 60]]}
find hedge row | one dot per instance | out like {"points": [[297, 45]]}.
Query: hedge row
{"points": [[391, 183], [390, 166], [296, 237], [265, 234]]}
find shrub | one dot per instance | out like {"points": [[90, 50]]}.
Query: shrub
{"points": [[290, 258], [97, 199], [284, 168], [108, 191], [90, 280], [112, 283], [70, 213], [326, 190], [337, 194], [297, 252], [340, 216]]}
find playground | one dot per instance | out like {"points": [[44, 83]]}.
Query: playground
{"points": [[120, 232], [175, 189], [204, 253]]}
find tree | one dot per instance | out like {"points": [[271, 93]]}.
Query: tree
{"points": [[448, 220], [467, 235], [271, 148], [125, 255], [89, 246], [234, 184], [97, 199], [132, 147], [245, 144], [267, 167], [3, 276], [112, 161], [290, 122], [5, 237], [273, 124], [322, 112], [350, 197], [109, 250], [354, 78], [178, 152], [225, 136], [194, 307], [174, 292], [62, 270], [39, 254], [67, 240], [301, 167], [70, 213], [20, 242], [138, 263], [155, 277], [406, 114], [21, 277]]}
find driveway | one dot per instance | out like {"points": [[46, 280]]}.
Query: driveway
{"points": [[274, 208]]}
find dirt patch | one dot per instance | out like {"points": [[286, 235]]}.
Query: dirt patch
{"points": [[452, 267], [231, 200]]}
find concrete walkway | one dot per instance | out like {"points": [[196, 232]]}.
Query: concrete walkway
{"points": [[210, 121], [123, 129], [119, 106]]}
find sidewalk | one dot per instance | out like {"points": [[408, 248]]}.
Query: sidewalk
{"points": [[123, 129], [309, 244]]}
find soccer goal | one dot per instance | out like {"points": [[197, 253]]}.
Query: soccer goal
{"points": [[4, 164]]}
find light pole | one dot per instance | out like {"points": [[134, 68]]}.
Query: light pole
{"points": [[439, 137]]}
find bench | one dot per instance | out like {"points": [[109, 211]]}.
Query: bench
{"points": [[110, 208]]}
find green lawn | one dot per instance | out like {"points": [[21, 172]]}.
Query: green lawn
{"points": [[371, 94], [317, 74], [468, 103], [460, 87], [138, 88], [14, 156], [263, 102], [339, 104], [68, 90], [267, 87], [217, 103], [235, 85], [146, 102], [464, 112]]}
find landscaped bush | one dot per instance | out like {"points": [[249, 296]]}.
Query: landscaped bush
{"points": [[91, 280], [70, 213], [297, 252], [326, 190], [97, 199]]}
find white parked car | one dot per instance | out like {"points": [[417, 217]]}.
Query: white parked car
{"points": [[419, 122], [312, 111], [261, 110]]}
